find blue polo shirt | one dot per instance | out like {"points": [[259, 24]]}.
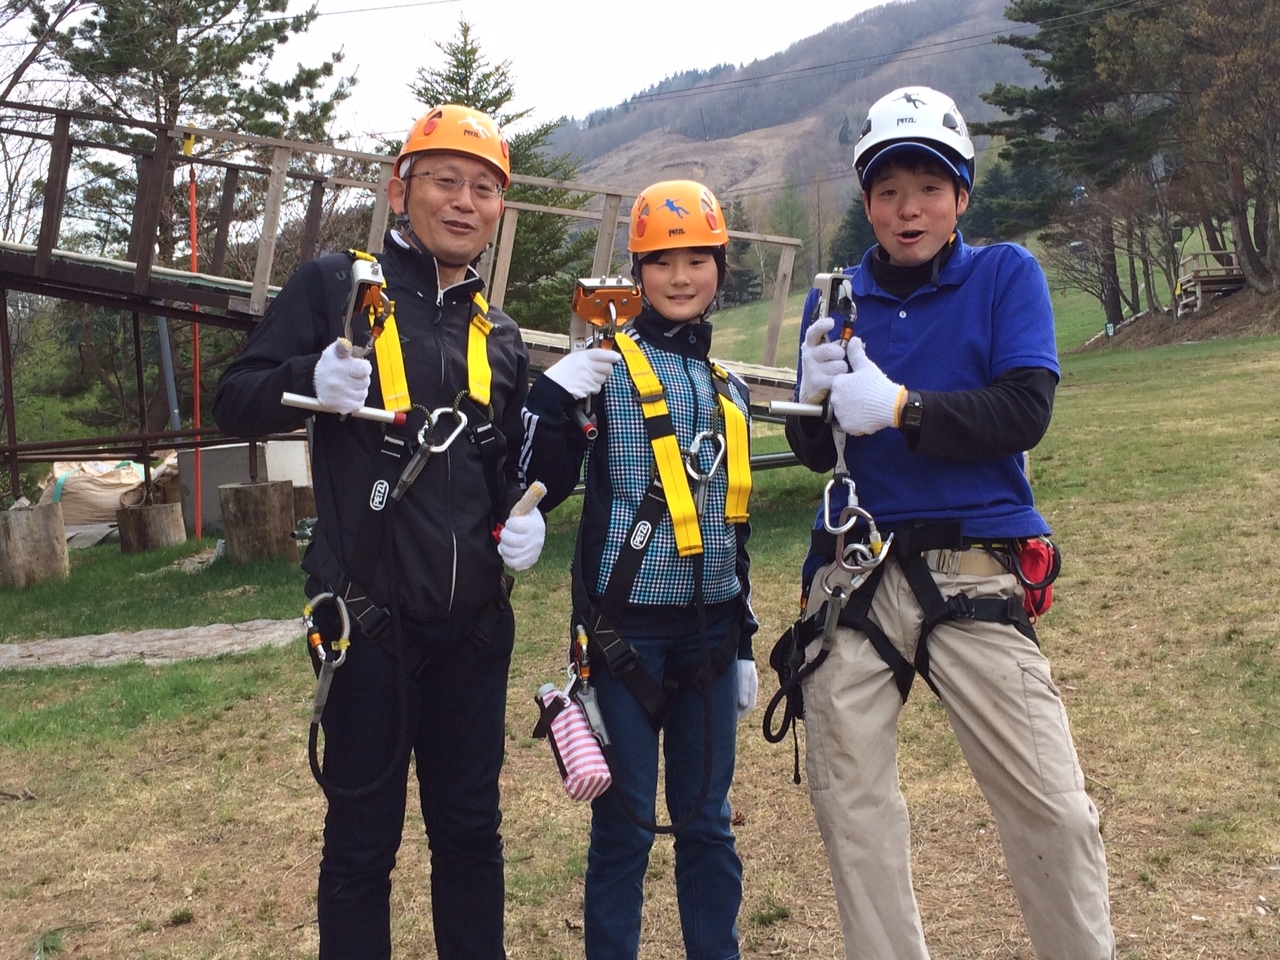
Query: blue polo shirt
{"points": [[988, 314]]}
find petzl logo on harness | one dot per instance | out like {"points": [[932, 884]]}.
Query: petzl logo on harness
{"points": [[378, 495], [640, 536]]}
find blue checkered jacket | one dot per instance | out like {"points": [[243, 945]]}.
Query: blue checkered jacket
{"points": [[619, 467]]}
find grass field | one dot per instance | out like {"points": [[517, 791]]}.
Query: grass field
{"points": [[169, 813], [740, 331]]}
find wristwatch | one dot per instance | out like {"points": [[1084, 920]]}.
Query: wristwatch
{"points": [[912, 412]]}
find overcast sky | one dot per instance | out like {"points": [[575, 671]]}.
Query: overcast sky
{"points": [[568, 57]]}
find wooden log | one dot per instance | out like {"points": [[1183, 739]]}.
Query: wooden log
{"points": [[304, 503], [33, 546], [257, 519], [150, 527]]}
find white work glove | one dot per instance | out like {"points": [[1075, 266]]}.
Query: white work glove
{"points": [[748, 684], [821, 361], [341, 380], [521, 539], [864, 400], [583, 372]]}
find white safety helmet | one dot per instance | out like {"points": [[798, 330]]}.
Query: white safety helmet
{"points": [[914, 119]]}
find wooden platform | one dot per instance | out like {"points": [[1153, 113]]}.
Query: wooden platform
{"points": [[1202, 276], [300, 184]]}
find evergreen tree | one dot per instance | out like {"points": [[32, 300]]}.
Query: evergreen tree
{"points": [[854, 237], [1077, 123], [196, 62], [788, 218], [742, 285], [549, 254]]}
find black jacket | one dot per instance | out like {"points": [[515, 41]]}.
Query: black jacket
{"points": [[441, 530]]}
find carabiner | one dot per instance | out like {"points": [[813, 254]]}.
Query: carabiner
{"points": [[860, 558], [460, 419], [691, 456], [313, 634], [852, 500]]}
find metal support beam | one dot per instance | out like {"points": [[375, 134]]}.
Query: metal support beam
{"points": [[55, 194], [226, 209], [10, 414], [311, 225], [148, 486]]}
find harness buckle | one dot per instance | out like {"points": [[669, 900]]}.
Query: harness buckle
{"points": [[960, 606]]}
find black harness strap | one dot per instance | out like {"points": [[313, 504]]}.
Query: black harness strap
{"points": [[491, 443], [908, 549], [618, 656]]}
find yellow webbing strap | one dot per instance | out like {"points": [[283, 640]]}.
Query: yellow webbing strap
{"points": [[666, 449], [738, 454], [390, 358], [479, 374]]}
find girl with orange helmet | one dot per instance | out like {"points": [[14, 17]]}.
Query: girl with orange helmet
{"points": [[662, 591]]}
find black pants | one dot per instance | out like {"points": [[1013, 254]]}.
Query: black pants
{"points": [[456, 713]]}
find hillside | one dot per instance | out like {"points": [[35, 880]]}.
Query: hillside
{"points": [[1243, 314], [746, 129]]}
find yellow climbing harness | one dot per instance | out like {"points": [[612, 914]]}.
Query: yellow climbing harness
{"points": [[669, 458]]}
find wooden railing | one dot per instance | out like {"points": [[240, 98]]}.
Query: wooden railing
{"points": [[299, 186]]}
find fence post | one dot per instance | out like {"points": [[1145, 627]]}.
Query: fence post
{"points": [[781, 287], [270, 230]]}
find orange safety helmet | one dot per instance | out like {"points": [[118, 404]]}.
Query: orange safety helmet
{"points": [[676, 213], [458, 130]]}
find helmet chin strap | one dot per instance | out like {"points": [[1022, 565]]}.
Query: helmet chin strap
{"points": [[407, 231]]}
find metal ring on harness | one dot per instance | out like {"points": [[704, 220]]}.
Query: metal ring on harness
{"points": [[846, 524], [870, 554]]}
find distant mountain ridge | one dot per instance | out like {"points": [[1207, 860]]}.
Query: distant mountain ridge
{"points": [[746, 130]]}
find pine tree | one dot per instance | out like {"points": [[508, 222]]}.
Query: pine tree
{"points": [[548, 255], [196, 62], [742, 285]]}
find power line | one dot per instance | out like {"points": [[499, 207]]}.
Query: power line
{"points": [[319, 13], [912, 53]]}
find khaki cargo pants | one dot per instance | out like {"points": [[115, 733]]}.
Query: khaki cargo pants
{"points": [[1012, 728]]}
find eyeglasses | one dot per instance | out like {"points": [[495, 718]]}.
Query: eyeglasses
{"points": [[452, 184]]}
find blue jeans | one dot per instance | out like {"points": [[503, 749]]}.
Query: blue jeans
{"points": [[708, 872], [455, 714]]}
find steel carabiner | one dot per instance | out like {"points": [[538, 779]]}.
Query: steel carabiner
{"points": [[844, 525], [328, 663]]}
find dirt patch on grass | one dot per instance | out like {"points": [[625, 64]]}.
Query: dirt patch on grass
{"points": [[1243, 314]]}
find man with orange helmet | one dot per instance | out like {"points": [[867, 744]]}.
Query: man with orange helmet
{"points": [[660, 574], [419, 570]]}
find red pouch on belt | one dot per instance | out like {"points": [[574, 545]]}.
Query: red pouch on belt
{"points": [[1037, 564]]}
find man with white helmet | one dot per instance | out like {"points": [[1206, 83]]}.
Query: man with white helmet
{"points": [[948, 379], [412, 534]]}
